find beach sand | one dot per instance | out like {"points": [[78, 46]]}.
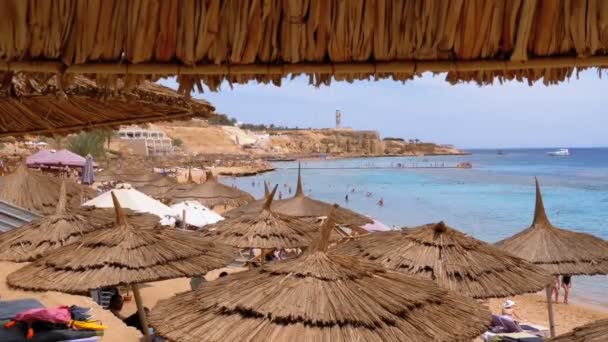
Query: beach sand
{"points": [[533, 308], [116, 329]]}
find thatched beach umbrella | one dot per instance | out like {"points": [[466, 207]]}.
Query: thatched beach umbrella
{"points": [[56, 104], [39, 193], [558, 251], [159, 187], [29, 242], [212, 193], [304, 207], [121, 256], [264, 229], [596, 331], [320, 296], [137, 177], [453, 260]]}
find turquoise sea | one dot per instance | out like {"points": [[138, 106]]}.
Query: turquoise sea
{"points": [[491, 201]]}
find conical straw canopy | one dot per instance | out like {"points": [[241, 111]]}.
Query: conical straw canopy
{"points": [[212, 193], [29, 242], [596, 331], [557, 250], [39, 193], [159, 187], [453, 260], [320, 297], [264, 229], [122, 255], [303, 207]]}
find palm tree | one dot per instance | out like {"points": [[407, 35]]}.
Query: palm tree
{"points": [[85, 143]]}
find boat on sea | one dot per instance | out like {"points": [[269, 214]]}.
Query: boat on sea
{"points": [[562, 152]]}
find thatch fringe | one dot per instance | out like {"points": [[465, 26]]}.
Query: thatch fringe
{"points": [[596, 331], [319, 297], [52, 104], [212, 41], [559, 251], [453, 260], [122, 255]]}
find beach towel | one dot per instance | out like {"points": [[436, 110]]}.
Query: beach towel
{"points": [[59, 317]]}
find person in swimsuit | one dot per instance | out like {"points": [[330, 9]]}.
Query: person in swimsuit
{"points": [[566, 285], [508, 309], [555, 287]]}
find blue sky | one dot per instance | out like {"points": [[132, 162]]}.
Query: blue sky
{"points": [[572, 114]]}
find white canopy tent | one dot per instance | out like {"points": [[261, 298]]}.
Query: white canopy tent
{"points": [[134, 200], [196, 214]]}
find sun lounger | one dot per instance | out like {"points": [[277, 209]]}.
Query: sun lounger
{"points": [[9, 309]]}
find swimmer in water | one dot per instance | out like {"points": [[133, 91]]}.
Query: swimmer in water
{"points": [[381, 202], [346, 198]]}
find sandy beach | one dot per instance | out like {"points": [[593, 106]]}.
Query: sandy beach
{"points": [[533, 308]]}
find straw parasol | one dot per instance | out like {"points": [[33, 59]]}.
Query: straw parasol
{"points": [[453, 260], [136, 176], [303, 207], [320, 297], [29, 242], [54, 104], [264, 229], [39, 193], [239, 42], [120, 256], [557, 250], [596, 331], [212, 193], [159, 187], [106, 217]]}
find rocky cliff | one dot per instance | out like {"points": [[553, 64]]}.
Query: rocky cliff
{"points": [[332, 141], [398, 147]]}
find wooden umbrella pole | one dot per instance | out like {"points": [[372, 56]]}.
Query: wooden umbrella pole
{"points": [[140, 309], [550, 309]]}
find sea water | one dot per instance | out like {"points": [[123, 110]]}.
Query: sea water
{"points": [[491, 201]]}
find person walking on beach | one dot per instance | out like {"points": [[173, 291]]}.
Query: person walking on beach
{"points": [[280, 195], [566, 285]]}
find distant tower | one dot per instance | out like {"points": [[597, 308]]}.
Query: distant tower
{"points": [[338, 118]]}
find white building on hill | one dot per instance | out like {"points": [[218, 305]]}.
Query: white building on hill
{"points": [[147, 142]]}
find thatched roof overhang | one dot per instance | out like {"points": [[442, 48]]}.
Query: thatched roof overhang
{"points": [[209, 42], [46, 104]]}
